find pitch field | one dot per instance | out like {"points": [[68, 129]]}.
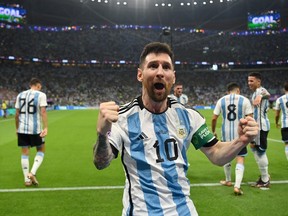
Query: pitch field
{"points": [[70, 185]]}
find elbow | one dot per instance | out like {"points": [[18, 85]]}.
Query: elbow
{"points": [[100, 165], [217, 162]]}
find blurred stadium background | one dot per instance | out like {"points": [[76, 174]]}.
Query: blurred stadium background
{"points": [[86, 51]]}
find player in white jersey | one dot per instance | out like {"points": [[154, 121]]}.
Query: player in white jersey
{"points": [[178, 94], [282, 105], [152, 134], [30, 115], [233, 107], [260, 102]]}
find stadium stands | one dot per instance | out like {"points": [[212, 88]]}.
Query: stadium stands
{"points": [[112, 76]]}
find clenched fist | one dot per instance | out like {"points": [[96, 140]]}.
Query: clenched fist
{"points": [[108, 113]]}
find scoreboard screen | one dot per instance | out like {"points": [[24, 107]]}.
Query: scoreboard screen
{"points": [[12, 14], [264, 21]]}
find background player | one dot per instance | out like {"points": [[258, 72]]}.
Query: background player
{"points": [[178, 94], [233, 107], [259, 146], [30, 111], [282, 105]]}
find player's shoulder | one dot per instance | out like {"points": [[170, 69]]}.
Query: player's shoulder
{"points": [[125, 108]]}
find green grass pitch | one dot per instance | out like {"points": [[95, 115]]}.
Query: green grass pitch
{"points": [[70, 184]]}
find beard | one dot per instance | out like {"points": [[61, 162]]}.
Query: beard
{"points": [[158, 92]]}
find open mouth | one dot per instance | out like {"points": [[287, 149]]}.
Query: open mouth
{"points": [[159, 86]]}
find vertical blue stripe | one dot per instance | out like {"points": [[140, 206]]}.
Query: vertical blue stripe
{"points": [[255, 110], [240, 113], [282, 106], [143, 168], [231, 123], [266, 106], [240, 108], [36, 114], [223, 107], [26, 128], [184, 120], [169, 167]]}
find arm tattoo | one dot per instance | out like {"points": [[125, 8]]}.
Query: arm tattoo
{"points": [[103, 154]]}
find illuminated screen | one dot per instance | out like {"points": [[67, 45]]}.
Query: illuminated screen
{"points": [[12, 14], [266, 20]]}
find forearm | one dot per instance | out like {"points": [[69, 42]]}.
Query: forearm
{"points": [[44, 120], [277, 120], [102, 151], [223, 152], [213, 126]]}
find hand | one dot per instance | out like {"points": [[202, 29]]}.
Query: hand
{"points": [[247, 129], [108, 113], [44, 132]]}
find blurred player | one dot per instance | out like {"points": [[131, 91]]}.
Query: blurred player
{"points": [[178, 94], [282, 105], [4, 108], [260, 104], [233, 107], [152, 134], [30, 113]]}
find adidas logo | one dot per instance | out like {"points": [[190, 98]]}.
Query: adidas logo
{"points": [[142, 136]]}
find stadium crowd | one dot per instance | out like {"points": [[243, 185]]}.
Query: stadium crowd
{"points": [[89, 85], [114, 44]]}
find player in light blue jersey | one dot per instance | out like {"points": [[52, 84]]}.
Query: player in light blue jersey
{"points": [[179, 95], [152, 135], [233, 107], [260, 102], [30, 115], [282, 105]]}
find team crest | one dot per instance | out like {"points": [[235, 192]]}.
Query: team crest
{"points": [[181, 132]]}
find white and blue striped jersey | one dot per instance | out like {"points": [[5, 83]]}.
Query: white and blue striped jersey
{"points": [[282, 104], [29, 103], [233, 107], [183, 99], [260, 113], [153, 151]]}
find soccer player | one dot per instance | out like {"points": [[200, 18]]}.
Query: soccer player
{"points": [[233, 107], [30, 113], [260, 102], [282, 105], [153, 133], [178, 94]]}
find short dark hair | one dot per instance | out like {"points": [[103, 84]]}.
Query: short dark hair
{"points": [[34, 81], [156, 47], [286, 86], [256, 74], [231, 86]]}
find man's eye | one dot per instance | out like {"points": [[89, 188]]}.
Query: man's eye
{"points": [[154, 66], [166, 67]]}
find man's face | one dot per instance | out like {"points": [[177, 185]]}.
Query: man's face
{"points": [[253, 83], [38, 86], [157, 76], [178, 90]]}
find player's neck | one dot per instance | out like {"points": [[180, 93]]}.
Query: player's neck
{"points": [[153, 106]]}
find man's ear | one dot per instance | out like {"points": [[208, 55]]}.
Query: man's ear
{"points": [[174, 77], [139, 75]]}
